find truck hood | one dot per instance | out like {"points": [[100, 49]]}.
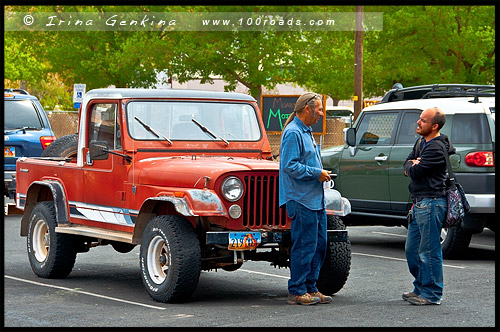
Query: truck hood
{"points": [[189, 172]]}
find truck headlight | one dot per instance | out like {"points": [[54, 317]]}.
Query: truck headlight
{"points": [[232, 188]]}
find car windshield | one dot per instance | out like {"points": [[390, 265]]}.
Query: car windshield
{"points": [[21, 114], [172, 119]]}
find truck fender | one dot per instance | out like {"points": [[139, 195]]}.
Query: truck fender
{"points": [[192, 203], [336, 204], [33, 197], [146, 212]]}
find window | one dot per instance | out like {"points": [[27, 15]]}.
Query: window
{"points": [[407, 131], [376, 128], [19, 114], [470, 128], [102, 124], [173, 119]]}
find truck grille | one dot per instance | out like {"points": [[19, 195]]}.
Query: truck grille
{"points": [[261, 202]]}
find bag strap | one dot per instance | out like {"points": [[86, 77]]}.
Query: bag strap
{"points": [[451, 175]]}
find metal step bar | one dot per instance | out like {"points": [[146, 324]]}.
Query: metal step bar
{"points": [[99, 233]]}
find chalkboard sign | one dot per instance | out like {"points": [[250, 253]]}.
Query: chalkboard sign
{"points": [[277, 108]]}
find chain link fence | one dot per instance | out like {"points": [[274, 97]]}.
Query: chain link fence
{"points": [[63, 122], [334, 135]]}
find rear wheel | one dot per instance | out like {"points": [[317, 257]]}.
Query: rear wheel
{"points": [[454, 241], [337, 264], [51, 254], [170, 259]]}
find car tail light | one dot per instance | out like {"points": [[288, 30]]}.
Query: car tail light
{"points": [[46, 140], [480, 159]]}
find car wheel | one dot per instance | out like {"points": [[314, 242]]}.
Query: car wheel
{"points": [[51, 254], [170, 259], [454, 241], [337, 264], [65, 146]]}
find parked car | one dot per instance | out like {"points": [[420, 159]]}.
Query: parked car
{"points": [[340, 112], [27, 132], [187, 175], [370, 165]]}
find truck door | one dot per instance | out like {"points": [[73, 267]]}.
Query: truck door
{"points": [[364, 168], [398, 182], [104, 177]]}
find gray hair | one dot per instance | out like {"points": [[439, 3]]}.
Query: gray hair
{"points": [[308, 98]]}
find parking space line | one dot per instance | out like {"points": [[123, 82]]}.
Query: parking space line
{"points": [[265, 274], [400, 235], [85, 293], [403, 259]]}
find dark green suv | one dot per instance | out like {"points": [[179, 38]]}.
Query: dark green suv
{"points": [[370, 165]]}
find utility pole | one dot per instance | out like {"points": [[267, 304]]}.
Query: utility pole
{"points": [[358, 62]]}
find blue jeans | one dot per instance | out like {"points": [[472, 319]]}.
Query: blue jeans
{"points": [[423, 248], [309, 243]]}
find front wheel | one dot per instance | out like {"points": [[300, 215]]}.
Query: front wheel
{"points": [[51, 254], [170, 259], [337, 264]]}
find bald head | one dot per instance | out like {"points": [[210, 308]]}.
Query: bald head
{"points": [[430, 122]]}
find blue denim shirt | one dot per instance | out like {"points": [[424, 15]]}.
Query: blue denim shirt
{"points": [[300, 167]]}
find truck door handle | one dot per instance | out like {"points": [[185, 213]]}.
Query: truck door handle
{"points": [[381, 158]]}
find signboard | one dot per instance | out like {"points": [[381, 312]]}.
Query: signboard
{"points": [[277, 108], [78, 92]]}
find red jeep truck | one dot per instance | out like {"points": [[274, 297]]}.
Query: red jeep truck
{"points": [[187, 175]]}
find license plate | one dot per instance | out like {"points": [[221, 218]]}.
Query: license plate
{"points": [[9, 152], [244, 240]]}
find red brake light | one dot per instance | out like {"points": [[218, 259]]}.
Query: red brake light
{"points": [[46, 140], [9, 95], [480, 159]]}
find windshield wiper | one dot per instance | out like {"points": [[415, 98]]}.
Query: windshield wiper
{"points": [[22, 128], [208, 131], [152, 131]]}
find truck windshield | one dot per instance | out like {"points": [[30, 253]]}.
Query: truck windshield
{"points": [[172, 119]]}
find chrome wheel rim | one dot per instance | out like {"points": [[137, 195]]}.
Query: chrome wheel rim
{"points": [[444, 234], [158, 259], [41, 240]]}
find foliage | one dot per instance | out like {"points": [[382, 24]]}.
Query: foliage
{"points": [[430, 44], [418, 45]]}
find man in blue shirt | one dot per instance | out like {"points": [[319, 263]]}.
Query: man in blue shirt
{"points": [[301, 189]]}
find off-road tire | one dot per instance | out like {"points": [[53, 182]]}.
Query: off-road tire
{"points": [[65, 146], [51, 254], [454, 241], [337, 264], [170, 259]]}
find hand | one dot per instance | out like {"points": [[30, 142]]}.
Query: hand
{"points": [[415, 161], [325, 176]]}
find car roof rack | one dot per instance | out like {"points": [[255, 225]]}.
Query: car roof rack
{"points": [[21, 91], [398, 93]]}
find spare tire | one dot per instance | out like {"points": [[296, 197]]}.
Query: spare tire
{"points": [[65, 146]]}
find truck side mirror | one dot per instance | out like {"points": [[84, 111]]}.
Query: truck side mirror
{"points": [[350, 137], [98, 150]]}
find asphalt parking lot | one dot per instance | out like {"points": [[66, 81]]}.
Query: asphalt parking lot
{"points": [[105, 290]]}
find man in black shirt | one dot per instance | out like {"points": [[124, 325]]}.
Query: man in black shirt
{"points": [[426, 166]]}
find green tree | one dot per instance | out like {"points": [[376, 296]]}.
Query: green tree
{"points": [[430, 44]]}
